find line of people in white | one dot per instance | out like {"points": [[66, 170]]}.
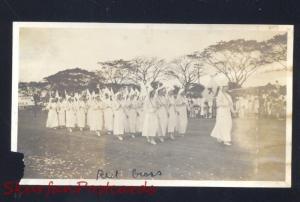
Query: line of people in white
{"points": [[154, 113]]}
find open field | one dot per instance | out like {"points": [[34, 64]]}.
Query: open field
{"points": [[257, 153]]}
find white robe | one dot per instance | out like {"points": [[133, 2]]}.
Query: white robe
{"points": [[52, 119], [89, 113], [132, 116], [125, 105], [163, 115], [70, 115], [182, 114], [173, 119], [151, 122], [80, 113], [96, 116], [108, 115], [223, 126], [140, 117], [61, 108], [119, 118]]}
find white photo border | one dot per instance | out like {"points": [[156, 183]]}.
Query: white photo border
{"points": [[159, 183]]}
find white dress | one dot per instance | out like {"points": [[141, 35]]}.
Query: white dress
{"points": [[96, 116], [70, 115], [163, 115], [151, 123], [119, 118], [140, 118], [132, 113], [223, 126], [89, 114], [61, 108], [173, 119], [182, 116], [125, 105], [108, 115], [52, 119], [80, 113]]}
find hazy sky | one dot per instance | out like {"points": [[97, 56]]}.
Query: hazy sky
{"points": [[45, 51]]}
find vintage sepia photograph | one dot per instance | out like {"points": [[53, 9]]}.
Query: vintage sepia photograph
{"points": [[170, 104]]}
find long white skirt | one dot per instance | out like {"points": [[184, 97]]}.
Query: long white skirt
{"points": [[223, 126], [139, 121], [151, 125], [96, 120], [119, 122], [89, 117], [52, 119], [70, 118], [132, 120], [126, 123], [80, 118], [108, 119], [182, 119], [163, 121], [62, 118], [173, 120]]}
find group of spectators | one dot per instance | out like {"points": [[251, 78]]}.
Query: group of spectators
{"points": [[268, 102]]}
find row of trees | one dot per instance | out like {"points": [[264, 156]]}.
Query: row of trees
{"points": [[237, 59]]}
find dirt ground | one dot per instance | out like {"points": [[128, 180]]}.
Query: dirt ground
{"points": [[257, 153]]}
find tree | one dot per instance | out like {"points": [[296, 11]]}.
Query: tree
{"points": [[236, 59], [147, 70], [275, 50], [186, 71], [115, 72], [71, 79]]}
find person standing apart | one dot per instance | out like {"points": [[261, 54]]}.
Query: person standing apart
{"points": [[52, 118], [223, 125]]}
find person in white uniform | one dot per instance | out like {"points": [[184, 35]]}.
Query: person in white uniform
{"points": [[89, 114], [181, 107], [223, 125], [119, 117], [70, 114], [52, 119], [61, 110], [96, 122], [163, 113], [125, 103], [140, 114], [172, 119], [108, 114], [132, 115], [80, 113], [151, 122]]}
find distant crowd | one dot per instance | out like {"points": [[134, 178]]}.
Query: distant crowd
{"points": [[267, 104]]}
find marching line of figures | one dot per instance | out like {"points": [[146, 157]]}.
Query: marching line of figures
{"points": [[155, 113]]}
